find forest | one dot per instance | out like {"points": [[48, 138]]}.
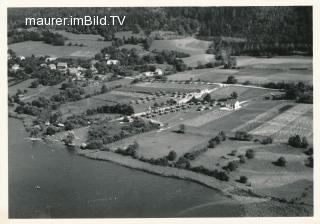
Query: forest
{"points": [[277, 29]]}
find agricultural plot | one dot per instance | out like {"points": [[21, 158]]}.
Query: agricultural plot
{"points": [[255, 70], [285, 121], [128, 34], [225, 92], [207, 117], [174, 87], [301, 126], [232, 119], [187, 45], [279, 61], [206, 75], [262, 118]]}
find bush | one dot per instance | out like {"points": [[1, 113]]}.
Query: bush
{"points": [[310, 162], [172, 155], [242, 159], [298, 142], [281, 161], [95, 144], [267, 140], [243, 179], [243, 136], [233, 153], [50, 130], [250, 154], [232, 166]]}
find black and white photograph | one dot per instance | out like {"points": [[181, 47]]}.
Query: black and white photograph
{"points": [[160, 112]]}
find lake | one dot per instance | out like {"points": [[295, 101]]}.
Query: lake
{"points": [[72, 186]]}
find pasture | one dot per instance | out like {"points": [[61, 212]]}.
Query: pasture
{"points": [[255, 70], [187, 45], [158, 144], [195, 60], [90, 41], [33, 93]]}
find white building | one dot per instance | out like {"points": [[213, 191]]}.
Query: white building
{"points": [[158, 71], [52, 66], [112, 62], [62, 66], [50, 59], [233, 104], [22, 57], [15, 67]]}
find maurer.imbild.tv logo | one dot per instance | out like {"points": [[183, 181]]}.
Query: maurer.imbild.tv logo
{"points": [[76, 21]]}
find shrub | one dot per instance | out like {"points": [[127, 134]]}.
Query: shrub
{"points": [[310, 162], [243, 179], [281, 161], [298, 142], [250, 154], [232, 166], [267, 140], [233, 153], [95, 144], [243, 136], [242, 159], [50, 130], [172, 155]]}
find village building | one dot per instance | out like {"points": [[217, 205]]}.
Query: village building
{"points": [[107, 56], [52, 66], [43, 65], [112, 62], [50, 59], [21, 57], [158, 71], [15, 67], [62, 66], [233, 104]]}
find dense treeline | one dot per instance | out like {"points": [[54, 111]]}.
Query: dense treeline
{"points": [[273, 29], [15, 36]]}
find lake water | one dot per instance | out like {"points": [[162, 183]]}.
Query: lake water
{"points": [[72, 186]]}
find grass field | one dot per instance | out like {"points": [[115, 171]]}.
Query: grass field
{"points": [[33, 93], [38, 48], [187, 45], [256, 70], [195, 60], [159, 144]]}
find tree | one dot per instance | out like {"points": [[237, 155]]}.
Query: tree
{"points": [[182, 128], [243, 179], [234, 95], [69, 138], [250, 154], [104, 89], [207, 98], [281, 161], [172, 155], [231, 80], [298, 142], [232, 166]]}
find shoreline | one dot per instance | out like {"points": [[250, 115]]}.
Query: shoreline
{"points": [[225, 188]]}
